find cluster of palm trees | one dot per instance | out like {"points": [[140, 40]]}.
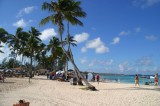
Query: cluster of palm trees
{"points": [[28, 44]]}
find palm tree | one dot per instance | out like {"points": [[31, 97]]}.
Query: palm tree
{"points": [[33, 44], [56, 50], [3, 37], [61, 10], [71, 14], [15, 42], [69, 42]]}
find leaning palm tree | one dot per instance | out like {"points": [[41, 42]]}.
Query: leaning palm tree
{"points": [[59, 11], [72, 12]]}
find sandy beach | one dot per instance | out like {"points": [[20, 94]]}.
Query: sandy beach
{"points": [[43, 92]]}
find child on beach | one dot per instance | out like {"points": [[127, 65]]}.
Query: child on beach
{"points": [[136, 80]]}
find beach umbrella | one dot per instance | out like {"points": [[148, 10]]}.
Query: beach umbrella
{"points": [[58, 72], [90, 76]]}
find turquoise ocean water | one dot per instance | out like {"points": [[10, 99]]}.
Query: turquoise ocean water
{"points": [[129, 79]]}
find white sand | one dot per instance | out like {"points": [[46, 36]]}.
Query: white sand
{"points": [[54, 93]]}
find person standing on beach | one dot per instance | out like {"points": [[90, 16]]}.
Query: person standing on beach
{"points": [[86, 76], [97, 78], [136, 80], [156, 80]]}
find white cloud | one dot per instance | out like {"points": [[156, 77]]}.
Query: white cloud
{"points": [[138, 29], [47, 34], [116, 40], [124, 33], [20, 23], [145, 3], [26, 10], [102, 49], [96, 44], [151, 37], [84, 49], [81, 37], [83, 60]]}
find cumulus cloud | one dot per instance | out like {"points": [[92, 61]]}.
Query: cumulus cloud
{"points": [[26, 10], [81, 37], [151, 37], [96, 44], [145, 3], [124, 33], [47, 34], [116, 40], [22, 23], [102, 49]]}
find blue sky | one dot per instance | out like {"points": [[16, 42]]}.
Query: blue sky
{"points": [[118, 36]]}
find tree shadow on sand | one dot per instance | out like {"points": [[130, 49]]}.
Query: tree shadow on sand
{"points": [[134, 88], [7, 82]]}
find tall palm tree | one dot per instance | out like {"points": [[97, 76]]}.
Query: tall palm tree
{"points": [[57, 16], [60, 10], [72, 12], [32, 47]]}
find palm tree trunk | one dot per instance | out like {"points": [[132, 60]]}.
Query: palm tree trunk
{"points": [[77, 70], [72, 61], [86, 82], [69, 50], [66, 68], [30, 70]]}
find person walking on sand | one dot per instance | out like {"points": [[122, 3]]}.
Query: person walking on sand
{"points": [[97, 78], [136, 80], [156, 80]]}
